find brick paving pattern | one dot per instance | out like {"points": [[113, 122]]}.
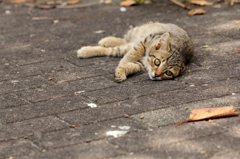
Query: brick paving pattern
{"points": [[46, 92]]}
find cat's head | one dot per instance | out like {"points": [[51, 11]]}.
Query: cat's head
{"points": [[162, 62]]}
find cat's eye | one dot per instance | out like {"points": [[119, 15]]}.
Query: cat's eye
{"points": [[168, 73], [157, 62]]}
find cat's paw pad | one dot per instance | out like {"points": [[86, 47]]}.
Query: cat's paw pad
{"points": [[120, 75], [84, 52]]}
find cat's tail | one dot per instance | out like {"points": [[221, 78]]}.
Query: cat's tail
{"points": [[94, 51]]}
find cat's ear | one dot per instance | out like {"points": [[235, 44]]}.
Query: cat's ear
{"points": [[164, 42]]}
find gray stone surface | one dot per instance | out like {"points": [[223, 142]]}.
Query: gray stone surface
{"points": [[46, 92]]}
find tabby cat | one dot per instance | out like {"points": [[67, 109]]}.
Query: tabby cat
{"points": [[161, 49]]}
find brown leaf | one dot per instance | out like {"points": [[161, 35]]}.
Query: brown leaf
{"points": [[128, 3], [236, 51], [210, 113], [235, 21], [71, 2], [201, 2], [18, 1], [196, 11]]}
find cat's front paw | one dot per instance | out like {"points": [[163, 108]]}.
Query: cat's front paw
{"points": [[84, 52], [120, 75]]}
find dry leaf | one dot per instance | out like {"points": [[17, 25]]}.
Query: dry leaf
{"points": [[235, 21], [210, 113], [233, 1], [71, 2], [128, 3], [236, 51], [107, 1], [18, 1], [201, 2], [196, 11]]}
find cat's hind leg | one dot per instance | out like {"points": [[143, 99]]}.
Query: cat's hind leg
{"points": [[94, 51], [111, 41], [126, 69]]}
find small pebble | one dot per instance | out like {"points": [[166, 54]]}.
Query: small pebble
{"points": [[73, 126], [7, 12], [123, 9], [210, 121], [56, 21], [192, 85]]}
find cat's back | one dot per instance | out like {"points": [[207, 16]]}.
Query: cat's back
{"points": [[144, 30]]}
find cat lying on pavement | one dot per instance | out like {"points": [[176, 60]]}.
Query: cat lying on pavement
{"points": [[162, 49]]}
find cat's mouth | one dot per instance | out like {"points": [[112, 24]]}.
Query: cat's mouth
{"points": [[153, 77]]}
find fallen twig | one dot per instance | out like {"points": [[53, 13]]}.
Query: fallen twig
{"points": [[180, 4], [79, 5], [36, 5]]}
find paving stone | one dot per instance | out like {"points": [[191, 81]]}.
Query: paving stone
{"points": [[23, 55], [32, 126], [14, 85], [191, 148], [47, 94], [169, 151], [122, 92], [11, 100], [14, 148], [231, 124], [95, 149], [226, 154], [196, 93], [166, 135], [42, 109], [35, 69], [198, 76], [209, 39], [175, 114], [76, 74], [220, 49], [83, 134], [111, 111]]}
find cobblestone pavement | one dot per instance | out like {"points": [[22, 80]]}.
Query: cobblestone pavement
{"points": [[53, 105]]}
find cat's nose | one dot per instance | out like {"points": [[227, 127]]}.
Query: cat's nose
{"points": [[158, 73], [155, 75]]}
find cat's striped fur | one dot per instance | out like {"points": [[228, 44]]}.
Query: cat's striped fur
{"points": [[162, 49]]}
